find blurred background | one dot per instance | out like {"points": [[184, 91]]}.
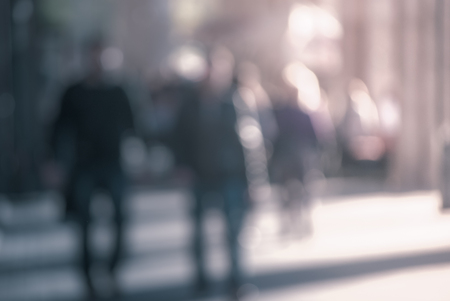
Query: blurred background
{"points": [[372, 77]]}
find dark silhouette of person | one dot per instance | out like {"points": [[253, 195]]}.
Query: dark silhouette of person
{"points": [[94, 117], [210, 146], [295, 143]]}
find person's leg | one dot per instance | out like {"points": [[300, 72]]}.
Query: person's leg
{"points": [[114, 182], [293, 185], [294, 209], [70, 204], [116, 185], [198, 248], [84, 184], [234, 205]]}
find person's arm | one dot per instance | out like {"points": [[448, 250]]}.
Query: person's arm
{"points": [[311, 132], [126, 113], [63, 127], [61, 144], [183, 148], [181, 135]]}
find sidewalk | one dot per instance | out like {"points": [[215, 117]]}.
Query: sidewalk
{"points": [[380, 246]]}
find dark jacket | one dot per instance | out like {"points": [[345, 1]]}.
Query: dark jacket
{"points": [[207, 138], [96, 118]]}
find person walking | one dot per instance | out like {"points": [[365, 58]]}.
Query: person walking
{"points": [[95, 115], [209, 145]]}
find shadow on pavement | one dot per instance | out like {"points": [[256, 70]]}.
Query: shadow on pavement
{"points": [[304, 276]]}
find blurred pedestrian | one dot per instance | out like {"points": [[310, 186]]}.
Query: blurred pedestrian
{"points": [[93, 118], [294, 154], [210, 146]]}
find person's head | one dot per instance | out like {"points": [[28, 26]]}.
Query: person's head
{"points": [[287, 95], [94, 49], [219, 72], [292, 94], [282, 93], [248, 74], [221, 69]]}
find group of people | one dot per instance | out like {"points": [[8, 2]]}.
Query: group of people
{"points": [[206, 140]]}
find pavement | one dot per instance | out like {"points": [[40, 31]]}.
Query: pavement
{"points": [[363, 246]]}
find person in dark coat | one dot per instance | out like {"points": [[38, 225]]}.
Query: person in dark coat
{"points": [[209, 145], [93, 118], [294, 150]]}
